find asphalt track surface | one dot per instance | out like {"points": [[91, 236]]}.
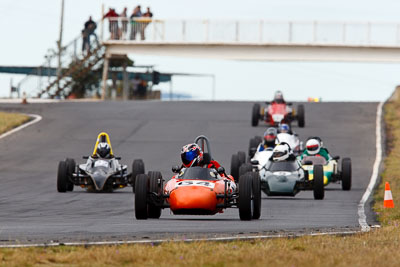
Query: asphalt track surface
{"points": [[31, 209]]}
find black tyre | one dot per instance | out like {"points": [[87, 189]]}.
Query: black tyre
{"points": [[246, 197], [62, 177], [235, 165], [259, 139], [300, 116], [256, 195], [245, 168], [242, 157], [71, 165], [137, 168], [346, 174], [142, 181], [319, 189], [155, 186], [253, 144], [255, 115]]}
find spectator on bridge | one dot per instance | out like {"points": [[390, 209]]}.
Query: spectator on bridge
{"points": [[148, 13], [113, 23], [88, 30], [136, 25], [124, 23]]}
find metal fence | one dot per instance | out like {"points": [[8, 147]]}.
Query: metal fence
{"points": [[253, 32]]}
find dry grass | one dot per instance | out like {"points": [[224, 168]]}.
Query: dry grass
{"points": [[9, 121], [376, 248]]}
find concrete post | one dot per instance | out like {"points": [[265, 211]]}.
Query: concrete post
{"points": [[104, 78], [125, 83]]}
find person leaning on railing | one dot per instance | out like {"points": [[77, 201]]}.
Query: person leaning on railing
{"points": [[113, 23], [139, 22]]}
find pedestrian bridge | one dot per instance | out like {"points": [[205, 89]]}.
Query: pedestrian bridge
{"points": [[261, 40]]}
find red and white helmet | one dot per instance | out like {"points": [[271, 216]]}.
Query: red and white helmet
{"points": [[191, 155], [313, 146]]}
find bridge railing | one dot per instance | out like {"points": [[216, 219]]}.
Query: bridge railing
{"points": [[253, 32]]}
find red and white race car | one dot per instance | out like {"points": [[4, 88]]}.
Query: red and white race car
{"points": [[197, 191], [275, 113]]}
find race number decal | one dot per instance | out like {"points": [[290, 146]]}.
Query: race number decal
{"points": [[195, 183], [101, 163]]}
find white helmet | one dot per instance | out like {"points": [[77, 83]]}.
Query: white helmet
{"points": [[313, 146], [281, 152], [103, 150]]}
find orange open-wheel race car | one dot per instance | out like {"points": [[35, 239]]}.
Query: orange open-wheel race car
{"points": [[197, 191]]}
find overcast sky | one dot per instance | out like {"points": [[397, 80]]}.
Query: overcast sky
{"points": [[29, 28]]}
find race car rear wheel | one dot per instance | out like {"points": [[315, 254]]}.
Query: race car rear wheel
{"points": [[253, 144], [346, 174], [245, 168], [155, 187], [71, 165], [141, 212], [137, 168], [242, 157], [300, 116], [62, 177], [246, 197], [256, 195], [319, 189], [255, 115], [235, 165]]}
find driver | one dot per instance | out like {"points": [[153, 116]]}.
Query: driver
{"points": [[269, 139], [103, 150], [192, 156], [314, 147], [278, 98], [284, 128], [283, 152]]}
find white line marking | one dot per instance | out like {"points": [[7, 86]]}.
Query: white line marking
{"points": [[362, 218], [36, 118], [186, 240]]}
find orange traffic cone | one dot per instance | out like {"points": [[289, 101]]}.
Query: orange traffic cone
{"points": [[388, 200]]}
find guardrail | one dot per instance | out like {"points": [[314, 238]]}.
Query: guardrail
{"points": [[254, 32]]}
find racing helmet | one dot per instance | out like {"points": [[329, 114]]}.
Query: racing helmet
{"points": [[278, 96], [191, 155], [103, 150], [270, 137], [284, 128], [281, 152], [313, 146]]}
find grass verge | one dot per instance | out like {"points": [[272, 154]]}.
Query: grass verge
{"points": [[376, 248], [9, 121]]}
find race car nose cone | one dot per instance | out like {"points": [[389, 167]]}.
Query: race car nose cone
{"points": [[193, 197]]}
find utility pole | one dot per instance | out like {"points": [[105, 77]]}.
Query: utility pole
{"points": [[59, 45]]}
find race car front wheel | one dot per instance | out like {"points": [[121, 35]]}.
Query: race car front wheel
{"points": [[300, 116], [155, 188], [249, 197], [346, 174], [141, 196], [255, 115], [319, 189], [62, 178], [137, 168], [71, 165]]}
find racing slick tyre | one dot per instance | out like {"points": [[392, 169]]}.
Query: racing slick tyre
{"points": [[137, 168], [245, 168], [71, 165], [346, 174], [319, 189], [235, 165], [256, 195], [242, 157], [255, 115], [62, 177], [300, 116], [141, 197], [253, 144], [246, 197], [155, 188]]}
